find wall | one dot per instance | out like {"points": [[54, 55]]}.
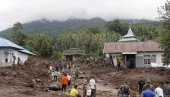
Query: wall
{"points": [[140, 58], [23, 57], [7, 59]]}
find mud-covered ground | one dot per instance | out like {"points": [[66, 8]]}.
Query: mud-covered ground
{"points": [[31, 79]]}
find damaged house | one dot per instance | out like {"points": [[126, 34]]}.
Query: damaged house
{"points": [[131, 52], [11, 53]]}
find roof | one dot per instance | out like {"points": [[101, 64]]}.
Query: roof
{"points": [[129, 37], [149, 46], [27, 52], [4, 43], [130, 33], [74, 51], [121, 47]]}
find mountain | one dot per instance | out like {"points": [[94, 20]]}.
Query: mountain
{"points": [[56, 27]]}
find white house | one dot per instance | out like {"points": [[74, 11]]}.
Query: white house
{"points": [[11, 53], [131, 52]]}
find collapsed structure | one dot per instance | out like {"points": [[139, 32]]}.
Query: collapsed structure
{"points": [[131, 52]]}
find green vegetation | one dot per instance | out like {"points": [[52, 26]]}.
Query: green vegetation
{"points": [[91, 39], [165, 33]]}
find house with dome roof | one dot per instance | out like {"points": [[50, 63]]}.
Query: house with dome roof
{"points": [[11, 53], [131, 52]]}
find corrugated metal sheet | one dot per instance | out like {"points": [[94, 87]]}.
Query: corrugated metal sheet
{"points": [[27, 52], [4, 43], [74, 51], [149, 46], [120, 47]]}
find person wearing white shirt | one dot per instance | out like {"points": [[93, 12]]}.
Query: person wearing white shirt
{"points": [[69, 79], [92, 87], [159, 90]]}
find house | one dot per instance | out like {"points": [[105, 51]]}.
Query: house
{"points": [[132, 52], [11, 53], [72, 54]]}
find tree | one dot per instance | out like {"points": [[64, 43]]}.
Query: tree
{"points": [[164, 12], [117, 26], [41, 44], [18, 36]]}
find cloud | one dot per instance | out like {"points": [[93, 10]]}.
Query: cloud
{"points": [[12, 11]]}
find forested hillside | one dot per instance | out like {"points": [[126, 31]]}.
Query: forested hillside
{"points": [[89, 35], [56, 27], [71, 25]]}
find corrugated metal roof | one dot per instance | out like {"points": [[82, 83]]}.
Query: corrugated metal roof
{"points": [[120, 47], [149, 46], [4, 43], [74, 51], [27, 52], [129, 37], [129, 34]]}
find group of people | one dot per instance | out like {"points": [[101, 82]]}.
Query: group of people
{"points": [[146, 89], [68, 75]]}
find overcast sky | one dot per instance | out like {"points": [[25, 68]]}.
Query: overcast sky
{"points": [[12, 11]]}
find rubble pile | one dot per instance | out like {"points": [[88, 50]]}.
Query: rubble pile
{"points": [[32, 74], [31, 79]]}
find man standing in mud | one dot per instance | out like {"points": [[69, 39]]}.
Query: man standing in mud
{"points": [[166, 89], [148, 84], [124, 90], [92, 87], [141, 83], [64, 82]]}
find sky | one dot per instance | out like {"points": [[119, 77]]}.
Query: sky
{"points": [[12, 11]]}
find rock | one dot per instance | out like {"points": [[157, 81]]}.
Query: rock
{"points": [[38, 80], [56, 86], [29, 85], [3, 74]]}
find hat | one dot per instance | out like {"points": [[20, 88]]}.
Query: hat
{"points": [[148, 80]]}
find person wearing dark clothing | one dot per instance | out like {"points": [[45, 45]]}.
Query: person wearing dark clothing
{"points": [[148, 84], [124, 90], [57, 66], [166, 89], [141, 83]]}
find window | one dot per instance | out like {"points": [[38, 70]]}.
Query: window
{"points": [[6, 60], [147, 59], [153, 59]]}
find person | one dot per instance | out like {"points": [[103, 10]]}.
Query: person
{"points": [[64, 82], [57, 66], [57, 74], [77, 73], [85, 87], [50, 69], [148, 84], [141, 83], [74, 92], [65, 65], [124, 90], [166, 89], [92, 87], [159, 90], [69, 79], [148, 92]]}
